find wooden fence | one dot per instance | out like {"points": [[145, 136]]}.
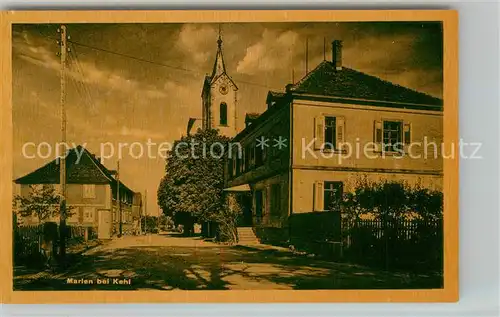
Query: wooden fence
{"points": [[27, 240], [412, 245], [408, 244]]}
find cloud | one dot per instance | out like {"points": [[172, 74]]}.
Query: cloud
{"points": [[273, 51], [381, 52], [82, 71], [138, 133], [197, 41]]}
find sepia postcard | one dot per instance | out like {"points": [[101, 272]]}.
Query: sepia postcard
{"points": [[229, 156]]}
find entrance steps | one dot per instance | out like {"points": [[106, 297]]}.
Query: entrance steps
{"points": [[246, 236]]}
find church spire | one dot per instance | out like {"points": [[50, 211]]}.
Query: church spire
{"points": [[219, 66], [219, 41]]}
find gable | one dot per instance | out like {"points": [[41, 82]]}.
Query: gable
{"points": [[224, 78], [83, 171]]}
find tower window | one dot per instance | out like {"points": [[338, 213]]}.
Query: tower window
{"points": [[223, 113]]}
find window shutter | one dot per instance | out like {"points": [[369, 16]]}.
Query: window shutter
{"points": [[340, 129], [234, 165], [254, 203], [318, 196], [377, 134], [407, 133], [319, 133], [78, 214], [243, 161], [264, 201]]}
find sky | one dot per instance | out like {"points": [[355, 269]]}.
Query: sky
{"points": [[129, 83]]}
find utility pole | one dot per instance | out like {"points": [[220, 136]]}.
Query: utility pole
{"points": [[118, 200], [158, 222], [146, 211], [307, 55], [140, 217], [324, 48], [62, 158]]}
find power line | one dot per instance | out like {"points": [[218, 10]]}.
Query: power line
{"points": [[80, 86], [158, 63], [131, 57], [87, 93]]}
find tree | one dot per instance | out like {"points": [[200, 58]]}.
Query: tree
{"points": [[149, 224], [43, 201], [394, 204], [192, 188], [392, 200]]}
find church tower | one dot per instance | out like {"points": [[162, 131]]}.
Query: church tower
{"points": [[219, 97]]}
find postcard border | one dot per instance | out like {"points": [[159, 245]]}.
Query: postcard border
{"points": [[451, 169]]}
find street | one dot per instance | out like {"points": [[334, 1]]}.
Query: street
{"points": [[172, 262]]}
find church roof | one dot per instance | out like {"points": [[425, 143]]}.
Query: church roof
{"points": [[326, 80], [219, 65], [219, 68]]}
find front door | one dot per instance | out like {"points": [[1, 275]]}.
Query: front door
{"points": [[258, 204], [247, 210], [104, 225]]}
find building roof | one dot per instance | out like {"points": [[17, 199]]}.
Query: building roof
{"points": [[252, 116], [275, 94], [326, 80], [87, 170]]}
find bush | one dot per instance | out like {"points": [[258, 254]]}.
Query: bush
{"points": [[393, 225]]}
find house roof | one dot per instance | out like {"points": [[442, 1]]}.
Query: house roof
{"points": [[86, 170], [325, 80], [274, 96], [251, 117]]}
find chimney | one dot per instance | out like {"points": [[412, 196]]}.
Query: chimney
{"points": [[337, 54]]}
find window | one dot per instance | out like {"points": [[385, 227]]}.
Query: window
{"points": [[259, 155], [75, 214], [89, 191], [330, 133], [88, 214], [332, 196], [116, 217], [230, 167], [223, 113], [252, 155], [246, 158], [393, 136], [242, 163], [275, 199], [235, 161], [238, 165]]}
